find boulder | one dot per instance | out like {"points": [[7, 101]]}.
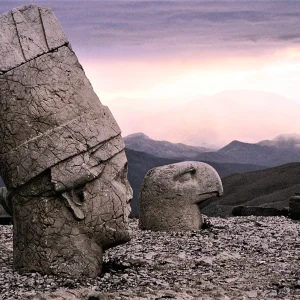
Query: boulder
{"points": [[258, 211]]}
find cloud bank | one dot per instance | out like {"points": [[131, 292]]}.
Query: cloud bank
{"points": [[145, 27]]}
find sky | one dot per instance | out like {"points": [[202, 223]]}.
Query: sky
{"points": [[154, 58]]}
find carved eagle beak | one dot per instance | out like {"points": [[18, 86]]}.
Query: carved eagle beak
{"points": [[205, 199]]}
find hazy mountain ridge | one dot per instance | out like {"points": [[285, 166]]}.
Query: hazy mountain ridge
{"points": [[281, 150], [240, 152], [141, 142]]}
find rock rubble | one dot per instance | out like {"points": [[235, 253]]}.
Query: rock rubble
{"points": [[233, 258]]}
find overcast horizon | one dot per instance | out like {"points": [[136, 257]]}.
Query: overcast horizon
{"points": [[153, 58]]}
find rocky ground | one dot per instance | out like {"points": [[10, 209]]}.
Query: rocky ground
{"points": [[235, 258]]}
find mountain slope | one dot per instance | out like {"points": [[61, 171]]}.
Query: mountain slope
{"points": [[240, 152], [269, 188], [281, 150], [258, 154]]}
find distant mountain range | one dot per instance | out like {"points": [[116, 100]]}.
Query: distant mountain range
{"points": [[236, 157], [269, 153], [271, 187], [141, 142]]}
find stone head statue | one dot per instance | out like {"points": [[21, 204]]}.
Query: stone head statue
{"points": [[171, 196], [61, 153]]}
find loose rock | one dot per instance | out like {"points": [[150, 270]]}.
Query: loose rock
{"points": [[233, 259]]}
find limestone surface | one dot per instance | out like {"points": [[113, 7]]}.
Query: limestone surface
{"points": [[62, 157], [171, 196]]}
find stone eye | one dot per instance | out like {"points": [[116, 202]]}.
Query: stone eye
{"points": [[192, 171], [185, 177]]}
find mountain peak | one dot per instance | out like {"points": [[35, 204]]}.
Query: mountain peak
{"points": [[140, 135], [234, 145], [141, 142]]}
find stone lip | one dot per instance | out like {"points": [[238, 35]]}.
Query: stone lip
{"points": [[235, 258]]}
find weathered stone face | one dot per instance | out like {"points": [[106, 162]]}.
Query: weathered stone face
{"points": [[170, 196], [61, 153]]}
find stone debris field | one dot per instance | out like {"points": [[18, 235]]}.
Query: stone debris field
{"points": [[233, 258]]}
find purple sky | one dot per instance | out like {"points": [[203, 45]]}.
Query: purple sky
{"points": [[144, 27]]}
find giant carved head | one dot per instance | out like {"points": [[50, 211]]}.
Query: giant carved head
{"points": [[61, 153], [171, 195]]}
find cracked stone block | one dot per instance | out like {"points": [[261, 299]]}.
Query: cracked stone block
{"points": [[62, 157], [171, 196], [294, 207]]}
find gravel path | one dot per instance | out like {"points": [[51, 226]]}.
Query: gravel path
{"points": [[235, 258]]}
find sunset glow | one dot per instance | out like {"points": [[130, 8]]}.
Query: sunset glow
{"points": [[276, 72]]}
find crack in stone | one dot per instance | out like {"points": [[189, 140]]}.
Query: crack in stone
{"points": [[43, 27], [32, 59], [18, 35]]}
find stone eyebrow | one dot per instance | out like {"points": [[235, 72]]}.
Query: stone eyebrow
{"points": [[191, 170]]}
